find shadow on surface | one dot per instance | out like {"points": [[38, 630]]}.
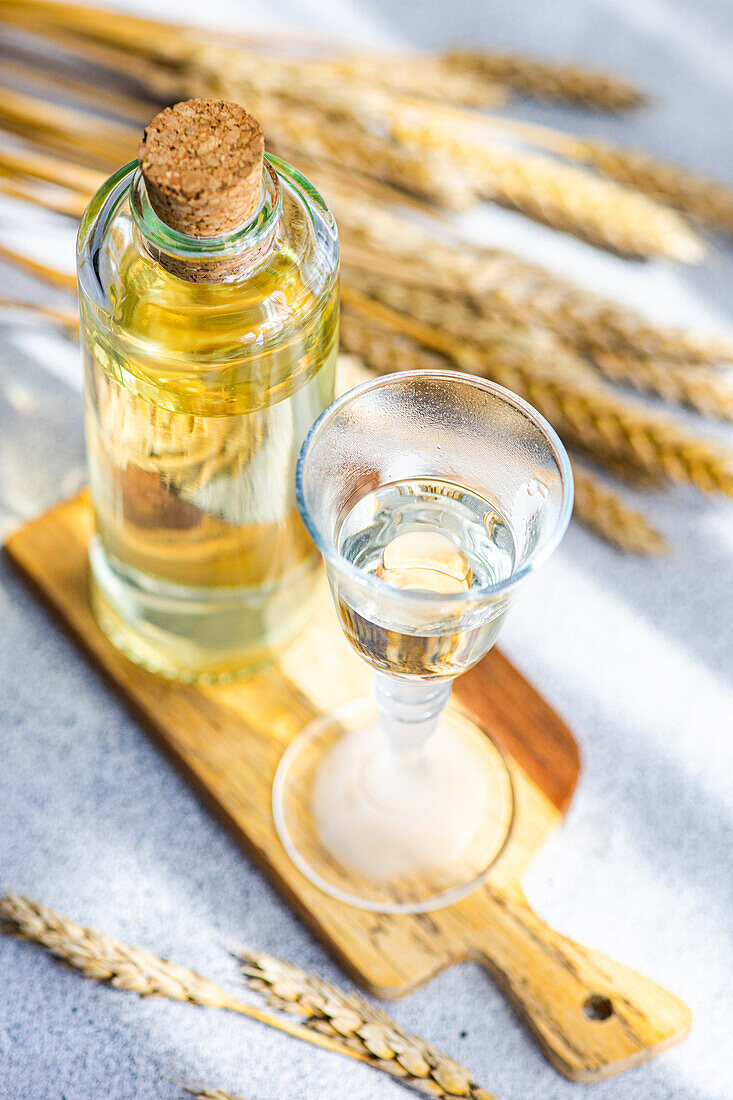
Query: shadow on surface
{"points": [[41, 438]]}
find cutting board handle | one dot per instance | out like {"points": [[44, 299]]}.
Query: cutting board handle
{"points": [[592, 1016]]}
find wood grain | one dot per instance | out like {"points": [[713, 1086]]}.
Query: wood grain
{"points": [[591, 1016]]}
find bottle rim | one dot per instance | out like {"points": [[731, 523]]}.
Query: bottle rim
{"points": [[250, 236]]}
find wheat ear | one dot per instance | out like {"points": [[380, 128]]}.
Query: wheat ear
{"points": [[339, 96], [587, 320], [499, 283], [348, 126], [416, 171], [382, 350], [550, 80], [331, 1011], [606, 513], [340, 123], [459, 319], [163, 39], [607, 425], [385, 351], [103, 959], [698, 387], [703, 199], [413, 74], [597, 418], [106, 960], [560, 195]]}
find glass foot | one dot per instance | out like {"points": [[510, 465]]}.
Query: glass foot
{"points": [[388, 830]]}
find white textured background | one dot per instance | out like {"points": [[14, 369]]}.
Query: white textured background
{"points": [[637, 656]]}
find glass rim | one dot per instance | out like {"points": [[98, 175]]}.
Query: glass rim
{"points": [[335, 558]]}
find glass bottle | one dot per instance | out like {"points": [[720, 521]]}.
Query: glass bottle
{"points": [[207, 358]]}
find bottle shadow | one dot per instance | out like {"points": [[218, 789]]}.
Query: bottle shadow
{"points": [[688, 595], [41, 438]]}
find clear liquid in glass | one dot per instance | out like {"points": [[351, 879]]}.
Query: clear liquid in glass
{"points": [[424, 535]]}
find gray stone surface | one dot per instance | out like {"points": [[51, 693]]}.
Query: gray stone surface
{"points": [[636, 656]]}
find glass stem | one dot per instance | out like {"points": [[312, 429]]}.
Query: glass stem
{"points": [[409, 710]]}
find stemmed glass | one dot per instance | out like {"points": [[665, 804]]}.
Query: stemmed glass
{"points": [[431, 495]]}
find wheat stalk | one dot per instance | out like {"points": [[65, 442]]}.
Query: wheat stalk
{"points": [[35, 14], [209, 1094], [106, 960], [52, 198], [68, 319], [95, 96], [22, 113], [607, 513], [363, 1027], [549, 80], [47, 274], [50, 169]]}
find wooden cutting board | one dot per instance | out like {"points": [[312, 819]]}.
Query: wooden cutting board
{"points": [[591, 1016]]}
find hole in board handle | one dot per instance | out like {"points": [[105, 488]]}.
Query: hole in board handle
{"points": [[598, 1007]]}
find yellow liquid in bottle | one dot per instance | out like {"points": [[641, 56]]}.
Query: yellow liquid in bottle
{"points": [[199, 396]]}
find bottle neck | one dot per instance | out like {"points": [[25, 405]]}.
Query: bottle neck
{"points": [[229, 258]]}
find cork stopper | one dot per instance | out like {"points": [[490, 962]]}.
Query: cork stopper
{"points": [[202, 163]]}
